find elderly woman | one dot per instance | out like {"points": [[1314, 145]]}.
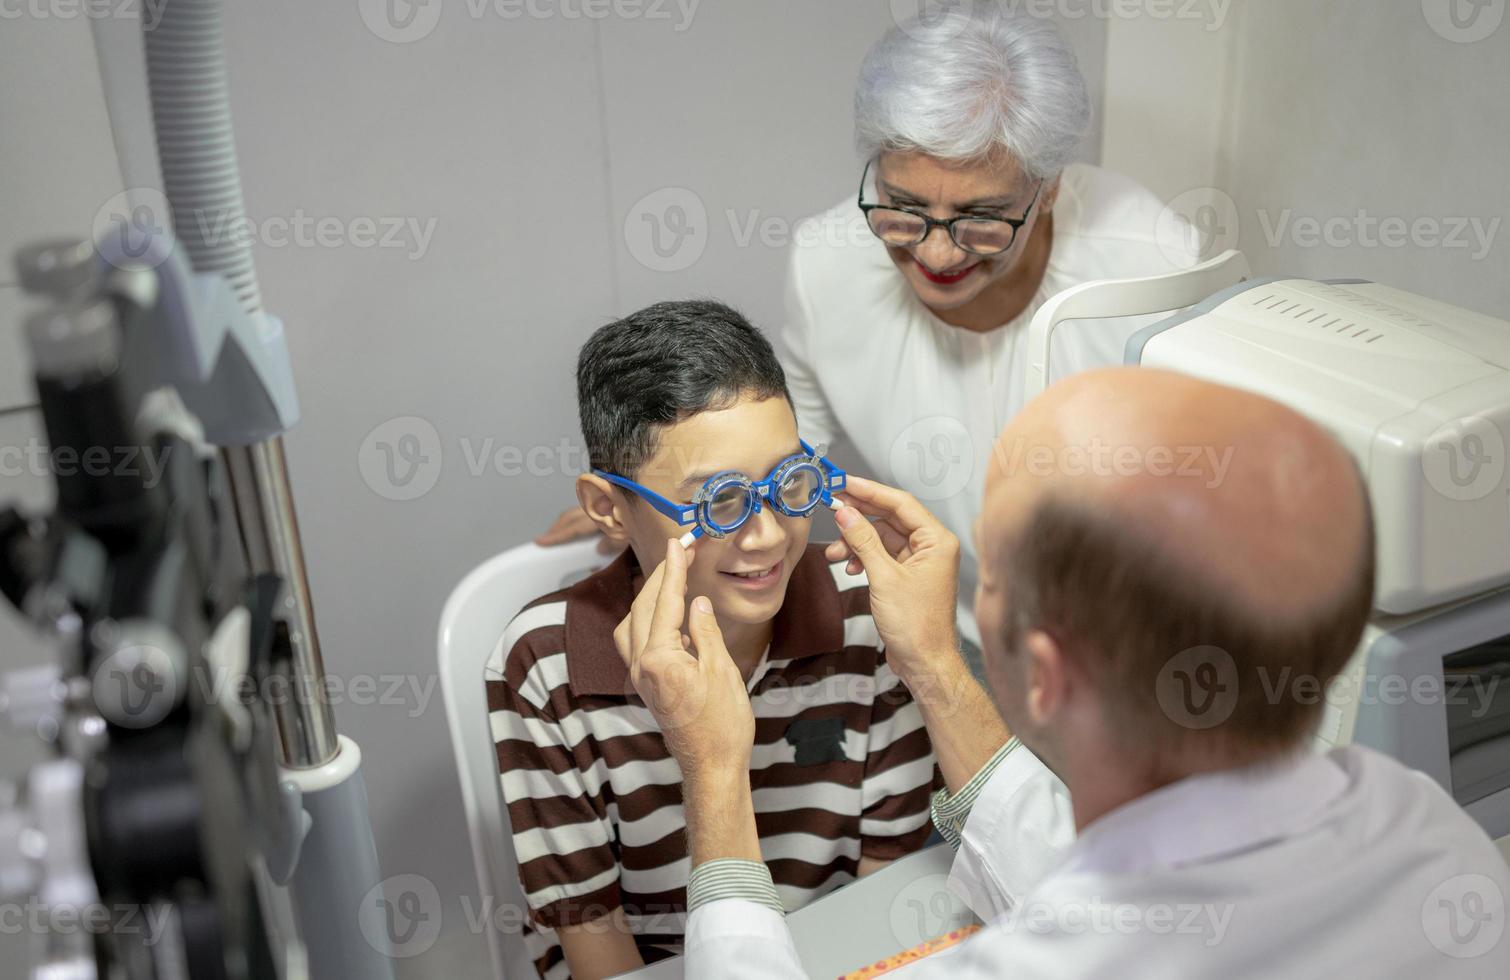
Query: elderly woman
{"points": [[910, 341]]}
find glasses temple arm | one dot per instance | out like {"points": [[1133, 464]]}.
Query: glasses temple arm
{"points": [[682, 514]]}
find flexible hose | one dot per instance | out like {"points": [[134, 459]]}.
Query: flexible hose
{"points": [[192, 111]]}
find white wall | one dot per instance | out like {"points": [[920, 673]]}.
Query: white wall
{"points": [[536, 147], [1301, 120]]}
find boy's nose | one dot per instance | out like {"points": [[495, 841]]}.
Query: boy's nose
{"points": [[762, 532]]}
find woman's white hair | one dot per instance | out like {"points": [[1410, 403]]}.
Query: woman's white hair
{"points": [[962, 82]]}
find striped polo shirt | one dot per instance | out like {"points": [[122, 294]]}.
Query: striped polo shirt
{"points": [[841, 765]]}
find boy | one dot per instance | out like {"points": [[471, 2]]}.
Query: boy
{"points": [[670, 397]]}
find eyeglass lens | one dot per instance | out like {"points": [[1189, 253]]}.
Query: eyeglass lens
{"points": [[972, 234]]}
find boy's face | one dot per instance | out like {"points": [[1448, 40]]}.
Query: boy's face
{"points": [[744, 573]]}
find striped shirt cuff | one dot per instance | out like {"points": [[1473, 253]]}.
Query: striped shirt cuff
{"points": [[951, 812], [748, 881]]}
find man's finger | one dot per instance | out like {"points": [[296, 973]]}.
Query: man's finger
{"points": [[707, 638], [864, 543], [881, 515], [642, 609], [671, 600], [621, 642], [898, 506], [898, 544]]}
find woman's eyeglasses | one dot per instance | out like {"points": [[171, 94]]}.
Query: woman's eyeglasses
{"points": [[905, 228]]}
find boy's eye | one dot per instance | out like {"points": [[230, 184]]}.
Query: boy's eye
{"points": [[728, 505], [800, 490]]}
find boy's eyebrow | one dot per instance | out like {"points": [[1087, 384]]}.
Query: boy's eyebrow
{"points": [[698, 479]]}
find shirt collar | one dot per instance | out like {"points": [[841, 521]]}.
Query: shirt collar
{"points": [[1207, 816], [810, 622]]}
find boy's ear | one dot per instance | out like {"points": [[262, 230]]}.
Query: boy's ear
{"points": [[604, 506]]}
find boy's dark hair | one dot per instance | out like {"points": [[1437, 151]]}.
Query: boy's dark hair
{"points": [[664, 364]]}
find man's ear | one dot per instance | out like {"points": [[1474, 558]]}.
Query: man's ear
{"points": [[1048, 678], [604, 505]]}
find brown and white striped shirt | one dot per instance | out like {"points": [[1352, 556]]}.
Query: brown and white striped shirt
{"points": [[841, 766]]}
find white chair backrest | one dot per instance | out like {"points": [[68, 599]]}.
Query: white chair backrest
{"points": [[471, 625]]}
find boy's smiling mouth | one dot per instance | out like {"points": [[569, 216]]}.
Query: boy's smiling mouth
{"points": [[756, 578]]}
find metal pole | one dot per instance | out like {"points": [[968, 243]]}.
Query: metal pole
{"points": [[269, 525], [191, 114]]}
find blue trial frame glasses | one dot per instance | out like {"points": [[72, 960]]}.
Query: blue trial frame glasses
{"points": [[726, 500]]}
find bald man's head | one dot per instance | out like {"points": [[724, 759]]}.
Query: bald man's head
{"points": [[1136, 515]]}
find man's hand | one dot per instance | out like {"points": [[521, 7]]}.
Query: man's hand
{"points": [[698, 697], [912, 563], [574, 525], [687, 680]]}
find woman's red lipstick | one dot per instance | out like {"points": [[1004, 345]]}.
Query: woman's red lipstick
{"points": [[944, 279]]}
